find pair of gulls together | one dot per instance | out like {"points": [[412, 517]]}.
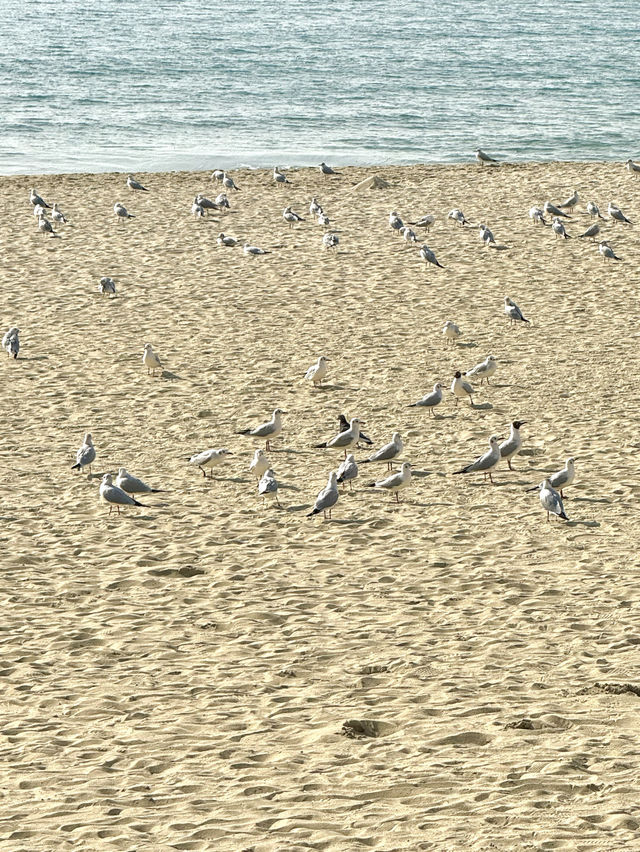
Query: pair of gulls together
{"points": [[40, 207], [225, 179], [460, 388], [280, 178], [11, 342], [231, 242], [328, 496], [507, 450], [201, 204]]}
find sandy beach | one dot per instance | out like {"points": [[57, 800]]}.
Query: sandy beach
{"points": [[180, 676]]}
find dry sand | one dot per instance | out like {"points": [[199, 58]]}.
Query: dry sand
{"points": [[178, 677]]}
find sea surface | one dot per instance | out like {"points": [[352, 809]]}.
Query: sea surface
{"points": [[148, 85]]}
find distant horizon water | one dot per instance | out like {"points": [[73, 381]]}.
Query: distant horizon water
{"points": [[172, 86]]}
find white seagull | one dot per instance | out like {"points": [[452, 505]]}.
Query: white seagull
{"points": [[327, 170], [132, 183], [513, 311], [387, 453], [617, 215], [107, 286], [607, 252], [461, 389], [269, 430], [511, 447], [451, 332], [291, 217], [347, 438], [248, 249], [559, 229], [551, 501], [347, 471], [57, 216], [483, 158], [114, 496], [594, 210], [36, 199], [562, 478], [317, 371], [552, 210], [226, 240], [229, 183], [487, 462], [279, 177], [268, 487], [632, 167], [484, 370], [430, 400], [133, 485], [209, 459], [486, 235], [151, 360], [330, 240], [327, 498], [429, 257], [591, 232], [121, 212], [396, 482], [424, 222], [85, 455], [570, 202], [395, 222], [458, 216], [259, 464], [536, 214], [11, 342]]}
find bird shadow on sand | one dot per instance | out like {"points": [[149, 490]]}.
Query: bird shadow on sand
{"points": [[328, 387], [572, 523], [32, 358], [482, 406], [499, 247], [348, 522], [167, 375], [589, 499], [283, 486], [469, 345]]}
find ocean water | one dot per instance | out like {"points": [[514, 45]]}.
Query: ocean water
{"points": [[147, 85]]}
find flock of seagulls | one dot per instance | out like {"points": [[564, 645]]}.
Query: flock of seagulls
{"points": [[350, 436]]}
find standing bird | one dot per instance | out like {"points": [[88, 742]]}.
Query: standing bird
{"points": [[222, 201], [36, 199], [607, 252], [218, 175], [107, 286], [11, 342], [562, 478], [451, 332], [425, 222], [327, 170], [396, 482], [327, 498], [121, 212], [484, 370], [209, 459], [458, 216], [269, 430], [511, 447], [485, 463], [259, 464], [632, 167], [132, 183], [395, 222], [151, 360], [389, 452], [345, 439], [594, 210], [430, 400], [289, 216], [114, 496], [344, 424], [536, 214], [314, 207], [591, 232], [85, 455], [133, 485], [206, 203], [429, 257], [486, 236], [317, 371], [268, 487], [461, 389], [552, 210], [229, 183], [617, 215], [330, 241], [558, 229], [197, 209], [57, 216], [513, 312], [408, 235], [551, 501], [483, 158], [570, 202], [226, 240], [279, 177], [347, 471], [323, 219], [248, 249], [45, 226]]}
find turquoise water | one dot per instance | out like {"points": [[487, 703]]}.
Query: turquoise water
{"points": [[140, 85]]}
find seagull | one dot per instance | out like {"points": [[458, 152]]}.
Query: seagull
{"points": [[592, 231], [451, 332], [259, 464], [289, 216], [570, 202], [458, 216], [395, 222], [344, 424], [632, 167], [387, 453], [562, 478], [323, 219], [36, 199], [486, 236], [408, 235], [607, 252], [107, 286], [151, 360], [558, 229], [429, 257], [247, 248], [430, 400], [536, 214], [327, 498], [206, 203], [57, 216], [551, 501], [133, 485], [11, 342], [121, 212], [317, 371], [616, 213], [425, 222], [279, 177], [85, 455], [197, 209], [225, 240], [268, 485], [594, 210], [314, 207], [39, 211], [330, 240], [461, 389], [229, 183], [132, 183], [209, 458], [396, 482], [513, 311], [269, 430], [114, 496], [483, 158], [511, 447], [552, 210], [347, 438], [487, 462], [327, 170], [347, 471], [217, 175], [484, 370], [223, 201], [45, 226]]}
